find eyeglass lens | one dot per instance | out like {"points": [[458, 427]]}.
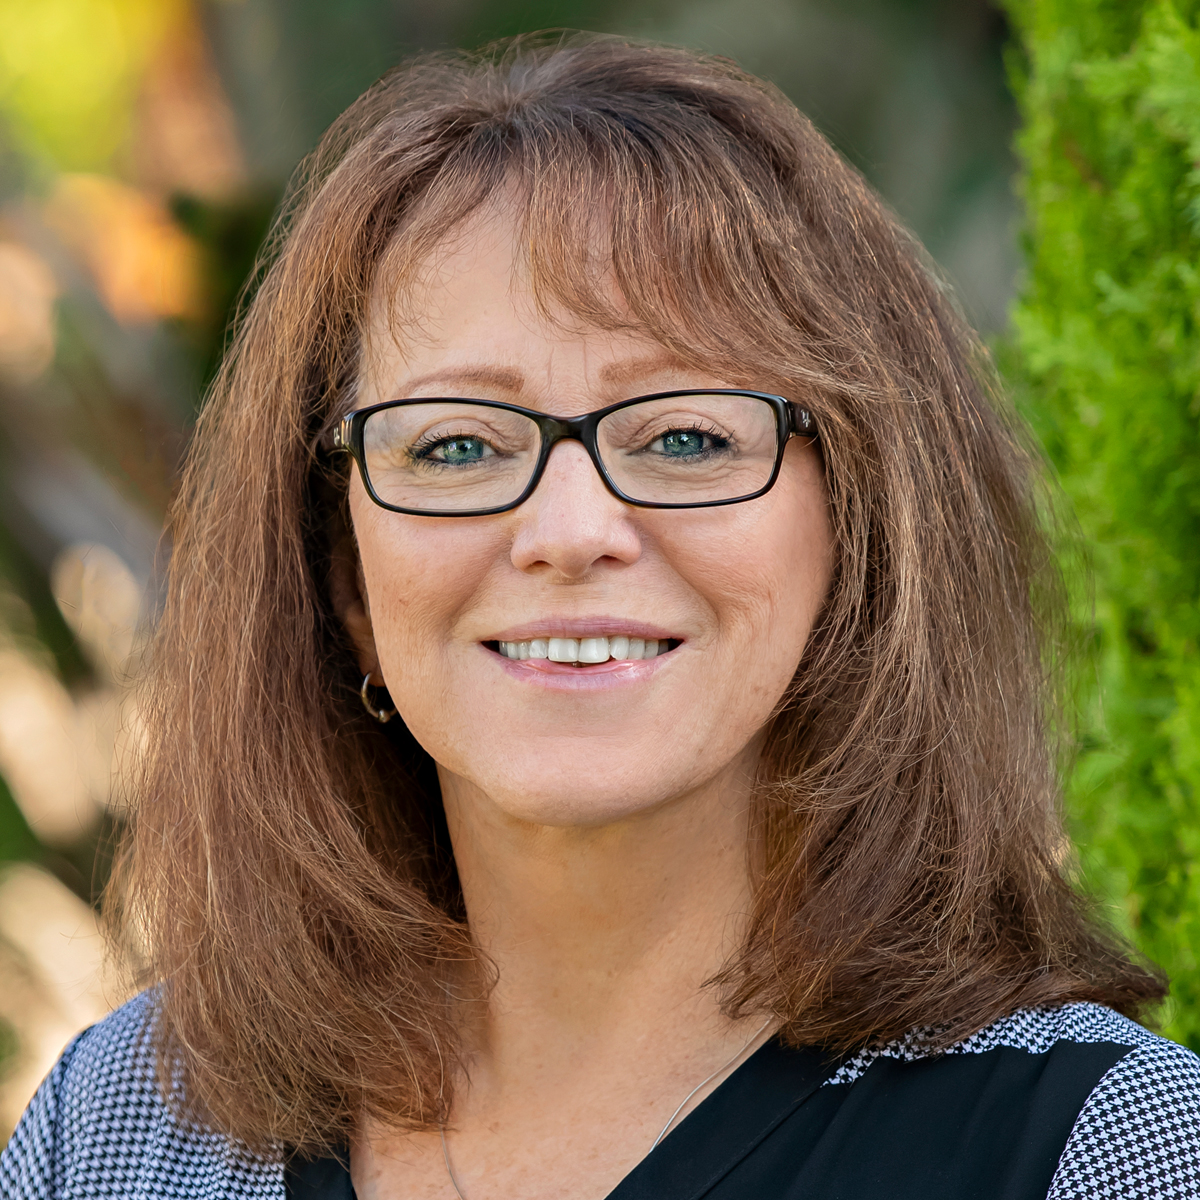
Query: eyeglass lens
{"points": [[455, 456]]}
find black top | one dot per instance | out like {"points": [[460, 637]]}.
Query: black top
{"points": [[1076, 1101], [990, 1119]]}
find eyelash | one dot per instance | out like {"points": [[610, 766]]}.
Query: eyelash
{"points": [[711, 431]]}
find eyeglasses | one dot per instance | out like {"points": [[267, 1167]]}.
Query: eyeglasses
{"points": [[450, 457]]}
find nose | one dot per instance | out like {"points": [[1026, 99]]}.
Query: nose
{"points": [[572, 522]]}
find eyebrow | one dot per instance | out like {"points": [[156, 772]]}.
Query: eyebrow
{"points": [[641, 368], [509, 379], [505, 379]]}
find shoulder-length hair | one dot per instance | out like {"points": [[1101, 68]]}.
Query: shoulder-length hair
{"points": [[287, 868]]}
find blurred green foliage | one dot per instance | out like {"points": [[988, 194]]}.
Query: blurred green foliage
{"points": [[28, 609], [230, 233], [1106, 331], [16, 839]]}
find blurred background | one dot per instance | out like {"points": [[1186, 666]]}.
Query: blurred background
{"points": [[143, 147]]}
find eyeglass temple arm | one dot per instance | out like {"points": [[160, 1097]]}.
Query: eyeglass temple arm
{"points": [[802, 421]]}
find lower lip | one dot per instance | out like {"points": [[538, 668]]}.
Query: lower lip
{"points": [[566, 677]]}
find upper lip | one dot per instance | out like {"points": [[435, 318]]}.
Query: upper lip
{"points": [[579, 627]]}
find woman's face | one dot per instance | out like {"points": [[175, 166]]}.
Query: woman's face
{"points": [[735, 590]]}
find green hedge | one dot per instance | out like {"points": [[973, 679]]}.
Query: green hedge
{"points": [[1107, 346]]}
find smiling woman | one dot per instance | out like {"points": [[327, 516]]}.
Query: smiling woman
{"points": [[583, 542], [596, 422]]}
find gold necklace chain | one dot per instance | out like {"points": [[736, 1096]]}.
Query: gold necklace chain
{"points": [[665, 1129]]}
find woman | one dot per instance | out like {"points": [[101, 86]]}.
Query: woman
{"points": [[597, 735]]}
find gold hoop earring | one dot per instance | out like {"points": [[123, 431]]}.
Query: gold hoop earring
{"points": [[382, 715]]}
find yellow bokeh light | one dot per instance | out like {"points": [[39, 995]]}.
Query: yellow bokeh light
{"points": [[69, 72]]}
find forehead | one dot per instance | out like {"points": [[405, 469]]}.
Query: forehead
{"points": [[477, 273], [468, 320]]}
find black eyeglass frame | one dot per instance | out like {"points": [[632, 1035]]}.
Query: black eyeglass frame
{"points": [[790, 421]]}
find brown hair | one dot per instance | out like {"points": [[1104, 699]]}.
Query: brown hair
{"points": [[288, 870]]}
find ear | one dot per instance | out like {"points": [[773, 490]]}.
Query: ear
{"points": [[348, 595]]}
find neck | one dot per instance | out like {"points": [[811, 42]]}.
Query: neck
{"points": [[602, 937]]}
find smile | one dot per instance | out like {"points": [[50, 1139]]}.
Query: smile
{"points": [[586, 651]]}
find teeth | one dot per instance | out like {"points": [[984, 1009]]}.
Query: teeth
{"points": [[593, 650], [564, 650], [585, 650]]}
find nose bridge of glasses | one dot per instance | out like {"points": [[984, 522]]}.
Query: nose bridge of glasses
{"points": [[581, 429], [558, 429]]}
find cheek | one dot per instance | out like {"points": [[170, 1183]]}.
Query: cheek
{"points": [[418, 576], [765, 574]]}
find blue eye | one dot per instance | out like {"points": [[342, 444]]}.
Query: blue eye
{"points": [[456, 451], [689, 443], [461, 450]]}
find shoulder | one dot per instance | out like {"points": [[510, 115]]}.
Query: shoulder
{"points": [[1033, 1030], [98, 1127], [1138, 1134], [104, 1077], [1125, 1102], [1138, 1131]]}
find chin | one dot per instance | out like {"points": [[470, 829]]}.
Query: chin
{"points": [[573, 812], [587, 796]]}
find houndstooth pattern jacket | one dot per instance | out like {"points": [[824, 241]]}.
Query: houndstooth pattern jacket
{"points": [[98, 1127]]}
